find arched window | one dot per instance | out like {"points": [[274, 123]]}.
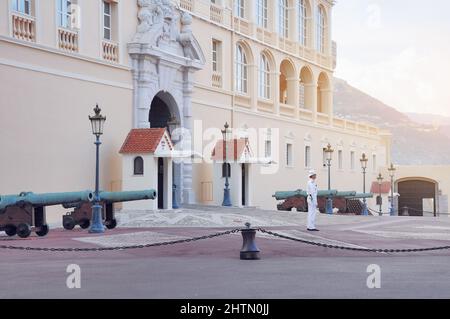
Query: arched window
{"points": [[138, 166], [262, 13], [241, 70], [320, 41], [302, 22], [264, 77], [284, 18]]}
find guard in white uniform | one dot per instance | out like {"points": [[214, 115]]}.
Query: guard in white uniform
{"points": [[312, 201]]}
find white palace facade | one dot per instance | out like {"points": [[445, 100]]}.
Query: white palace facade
{"points": [[264, 66]]}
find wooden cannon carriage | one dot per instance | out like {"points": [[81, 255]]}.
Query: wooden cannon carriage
{"points": [[82, 211], [347, 202], [20, 214]]}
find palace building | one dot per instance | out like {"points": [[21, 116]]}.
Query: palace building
{"points": [[189, 66]]}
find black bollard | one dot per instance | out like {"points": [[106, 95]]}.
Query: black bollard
{"points": [[249, 250]]}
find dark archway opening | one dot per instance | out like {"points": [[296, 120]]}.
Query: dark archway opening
{"points": [[412, 195], [160, 115]]}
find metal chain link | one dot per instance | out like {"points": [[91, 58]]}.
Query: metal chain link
{"points": [[173, 242], [262, 230], [228, 232]]}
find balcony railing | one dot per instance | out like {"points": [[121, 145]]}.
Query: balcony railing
{"points": [[187, 5], [110, 51], [216, 79], [243, 26], [287, 45], [305, 114], [265, 36], [287, 110], [68, 39], [23, 27], [323, 118], [216, 13]]}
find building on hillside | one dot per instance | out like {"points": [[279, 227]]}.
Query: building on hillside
{"points": [[263, 66]]}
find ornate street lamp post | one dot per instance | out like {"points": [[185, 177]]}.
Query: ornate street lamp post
{"points": [[392, 170], [329, 156], [380, 200], [364, 161], [97, 122], [226, 170]]}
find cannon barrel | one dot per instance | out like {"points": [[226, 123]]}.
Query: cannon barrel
{"points": [[360, 196], [116, 197], [300, 193], [327, 193], [48, 199], [345, 194], [286, 194]]}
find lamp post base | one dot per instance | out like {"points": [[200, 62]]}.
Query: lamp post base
{"points": [[365, 211], [329, 207], [226, 197], [97, 220], [392, 211]]}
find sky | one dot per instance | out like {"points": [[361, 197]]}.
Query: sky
{"points": [[397, 51]]}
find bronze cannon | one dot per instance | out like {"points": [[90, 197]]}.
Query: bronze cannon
{"points": [[20, 214], [82, 213]]}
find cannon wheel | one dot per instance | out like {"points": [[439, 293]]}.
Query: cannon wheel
{"points": [[10, 230], [43, 231], [23, 230], [112, 224], [85, 223], [68, 223]]}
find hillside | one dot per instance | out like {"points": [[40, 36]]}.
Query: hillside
{"points": [[414, 142]]}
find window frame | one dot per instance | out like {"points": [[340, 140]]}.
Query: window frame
{"points": [[22, 6], [136, 171], [241, 68], [64, 13], [283, 18], [110, 16], [302, 18], [264, 83], [262, 14], [307, 156], [239, 8], [320, 29], [289, 154]]}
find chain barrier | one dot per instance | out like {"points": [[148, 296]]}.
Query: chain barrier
{"points": [[173, 242], [233, 231], [375, 250]]}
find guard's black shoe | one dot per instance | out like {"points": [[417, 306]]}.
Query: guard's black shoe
{"points": [[312, 229]]}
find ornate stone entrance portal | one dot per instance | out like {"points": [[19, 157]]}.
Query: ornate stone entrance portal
{"points": [[165, 55]]}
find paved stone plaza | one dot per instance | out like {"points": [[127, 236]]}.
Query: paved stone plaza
{"points": [[211, 268]]}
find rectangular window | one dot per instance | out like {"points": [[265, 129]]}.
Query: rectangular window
{"points": [[301, 95], [288, 154], [239, 8], [307, 156], [352, 160], [262, 13], [374, 162], [324, 157], [22, 6], [268, 149], [340, 159], [302, 23], [64, 13], [216, 55], [284, 19], [107, 16]]}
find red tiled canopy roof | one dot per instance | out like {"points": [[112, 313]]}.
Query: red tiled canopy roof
{"points": [[385, 188], [142, 140], [235, 149]]}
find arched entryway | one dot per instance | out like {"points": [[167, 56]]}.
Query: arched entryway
{"points": [[419, 195], [164, 113]]}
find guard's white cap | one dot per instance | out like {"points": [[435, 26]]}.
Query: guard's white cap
{"points": [[312, 173]]}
